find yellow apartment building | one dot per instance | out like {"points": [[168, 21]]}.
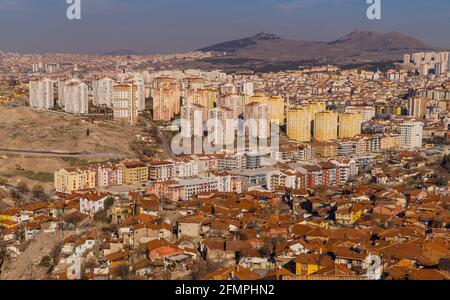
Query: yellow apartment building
{"points": [[74, 179], [299, 124], [134, 172], [325, 126], [349, 125], [325, 149]]}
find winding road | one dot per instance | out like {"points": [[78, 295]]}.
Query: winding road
{"points": [[167, 145]]}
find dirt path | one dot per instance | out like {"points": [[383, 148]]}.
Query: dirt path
{"points": [[27, 264]]}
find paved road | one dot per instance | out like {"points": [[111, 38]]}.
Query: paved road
{"points": [[164, 141]]}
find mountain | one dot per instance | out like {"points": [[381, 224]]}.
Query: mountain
{"points": [[357, 45], [370, 41], [121, 52]]}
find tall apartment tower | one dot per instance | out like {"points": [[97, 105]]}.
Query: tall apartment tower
{"points": [[411, 134], [192, 118], [417, 107], [75, 97], [166, 95], [349, 125], [125, 103], [257, 117], [221, 126], [299, 124], [275, 103], [103, 92], [140, 91], [315, 108], [233, 102], [325, 126], [42, 95]]}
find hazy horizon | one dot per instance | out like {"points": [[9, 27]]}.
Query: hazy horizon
{"points": [[169, 26]]}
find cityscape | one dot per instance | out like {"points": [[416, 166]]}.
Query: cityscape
{"points": [[238, 161]]}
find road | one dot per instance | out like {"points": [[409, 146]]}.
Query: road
{"points": [[55, 153], [167, 145]]}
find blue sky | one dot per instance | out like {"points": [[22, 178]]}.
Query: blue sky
{"points": [[150, 26]]}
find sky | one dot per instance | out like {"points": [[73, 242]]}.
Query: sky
{"points": [[165, 26]]}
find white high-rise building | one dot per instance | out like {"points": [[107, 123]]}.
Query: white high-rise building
{"points": [[103, 92], [192, 118], [257, 116], [411, 134], [42, 95], [247, 88], [233, 102], [221, 126], [75, 97], [139, 82]]}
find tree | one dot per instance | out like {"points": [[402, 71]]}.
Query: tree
{"points": [[123, 272], [46, 261], [446, 162], [102, 217], [38, 191], [109, 202], [23, 187], [56, 252]]}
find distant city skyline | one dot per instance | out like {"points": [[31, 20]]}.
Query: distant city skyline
{"points": [[162, 26]]}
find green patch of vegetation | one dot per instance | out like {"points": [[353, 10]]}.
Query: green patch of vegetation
{"points": [[74, 161], [46, 261], [38, 176]]}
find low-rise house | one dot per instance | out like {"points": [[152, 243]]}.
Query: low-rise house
{"points": [[93, 203], [190, 226]]}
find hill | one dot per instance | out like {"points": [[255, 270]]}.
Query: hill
{"points": [[355, 46]]}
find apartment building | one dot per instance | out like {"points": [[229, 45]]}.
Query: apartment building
{"points": [[276, 106], [293, 153], [348, 168], [134, 172], [125, 103], [75, 97], [233, 102], [186, 167], [221, 126], [183, 190], [411, 134], [367, 112], [325, 126], [103, 92], [299, 124], [70, 180], [108, 175], [257, 120], [349, 125], [325, 149], [42, 95], [161, 170], [166, 95], [193, 117], [227, 182]]}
